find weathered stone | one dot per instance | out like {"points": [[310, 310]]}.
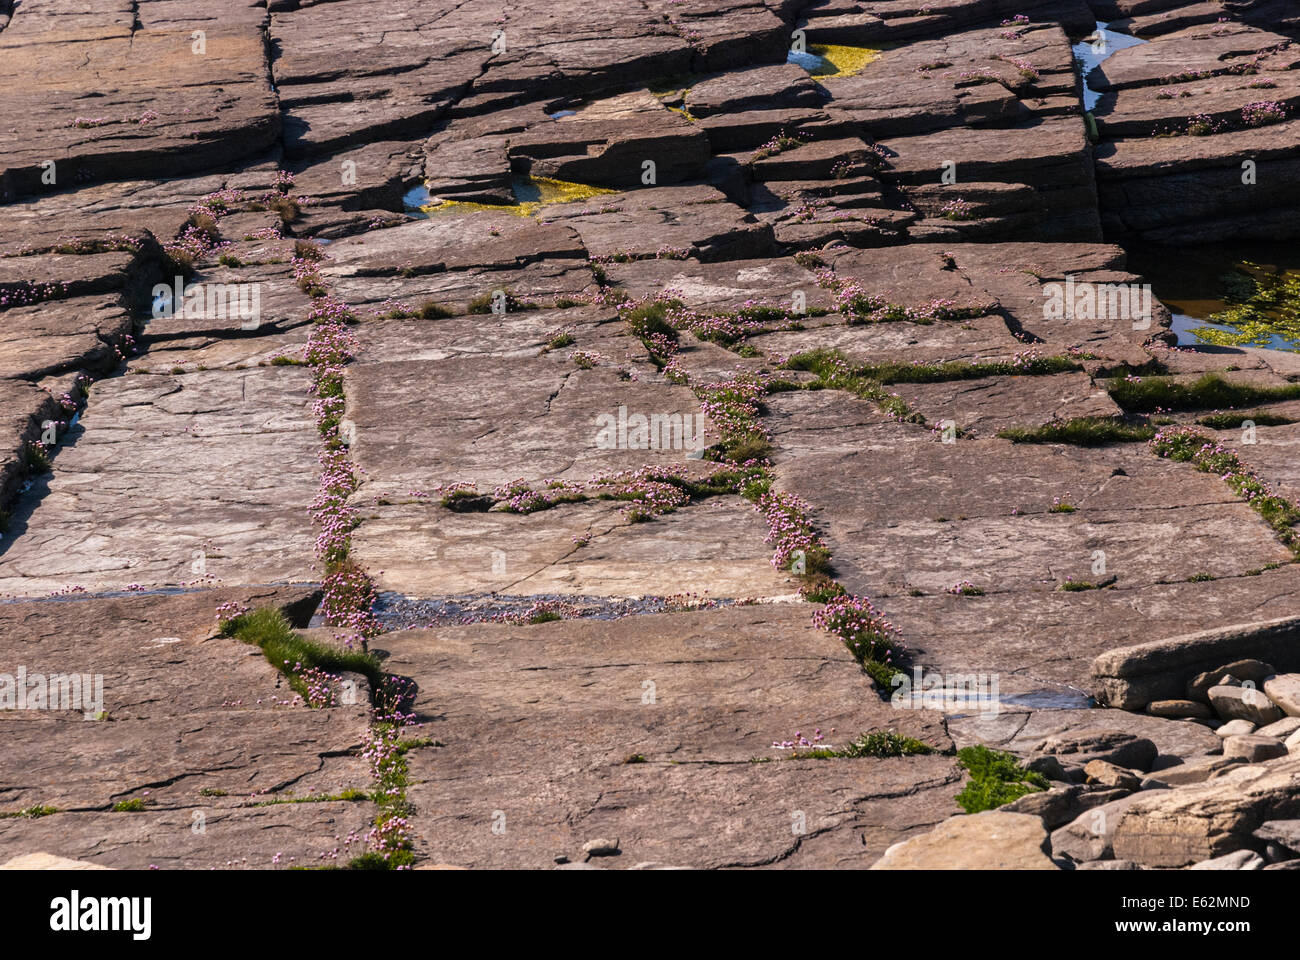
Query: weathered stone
{"points": [[1232, 674], [992, 840], [1284, 690], [1118, 749], [1179, 709], [1108, 865], [1235, 728], [1197, 771], [48, 861], [1173, 828], [1131, 677], [1090, 836], [1240, 860], [1060, 805], [601, 848], [1253, 749], [1281, 729], [1243, 703], [1108, 774], [1285, 832]]}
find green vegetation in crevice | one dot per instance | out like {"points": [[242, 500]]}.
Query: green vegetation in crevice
{"points": [[1077, 586], [350, 795], [392, 837], [1187, 445], [1233, 421], [484, 302], [385, 750], [1208, 392], [1081, 432], [834, 372], [881, 744], [29, 813], [290, 654], [996, 778], [898, 372]]}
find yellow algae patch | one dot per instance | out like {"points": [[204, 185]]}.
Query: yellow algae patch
{"points": [[532, 194], [555, 191], [842, 61], [670, 95]]}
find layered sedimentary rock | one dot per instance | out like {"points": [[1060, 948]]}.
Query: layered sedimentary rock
{"points": [[594, 352]]}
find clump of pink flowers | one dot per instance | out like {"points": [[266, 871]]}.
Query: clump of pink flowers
{"points": [[861, 627]]}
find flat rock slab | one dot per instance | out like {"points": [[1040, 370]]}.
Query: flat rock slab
{"points": [[167, 480], [246, 838], [923, 523], [694, 221], [981, 339], [721, 287], [983, 407], [714, 547], [52, 338], [679, 691], [1024, 731], [147, 117], [521, 334], [489, 420], [47, 861], [191, 723]]}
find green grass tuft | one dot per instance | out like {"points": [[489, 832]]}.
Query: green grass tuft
{"points": [[268, 629], [996, 778], [1209, 392], [1233, 421], [1081, 432]]}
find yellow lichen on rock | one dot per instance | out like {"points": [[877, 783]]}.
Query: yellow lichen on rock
{"points": [[842, 61], [532, 194]]}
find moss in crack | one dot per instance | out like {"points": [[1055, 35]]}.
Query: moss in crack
{"points": [[997, 778]]}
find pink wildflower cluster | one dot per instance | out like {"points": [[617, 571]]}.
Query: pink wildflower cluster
{"points": [[25, 292], [731, 409], [650, 491], [753, 317], [957, 209], [861, 627], [518, 496], [1263, 112], [318, 683], [230, 610], [790, 529], [799, 740]]}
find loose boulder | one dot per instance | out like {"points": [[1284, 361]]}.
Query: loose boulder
{"points": [[992, 840]]}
